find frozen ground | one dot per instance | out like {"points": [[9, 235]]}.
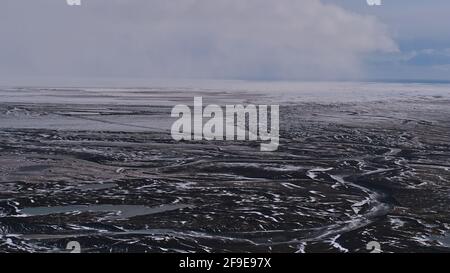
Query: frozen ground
{"points": [[358, 162]]}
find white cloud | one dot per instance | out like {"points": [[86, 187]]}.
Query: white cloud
{"points": [[262, 39]]}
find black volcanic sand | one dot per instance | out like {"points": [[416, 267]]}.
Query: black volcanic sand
{"points": [[344, 175]]}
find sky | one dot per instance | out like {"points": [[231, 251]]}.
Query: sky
{"points": [[47, 40]]}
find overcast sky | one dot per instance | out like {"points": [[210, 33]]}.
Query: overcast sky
{"points": [[231, 39]]}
